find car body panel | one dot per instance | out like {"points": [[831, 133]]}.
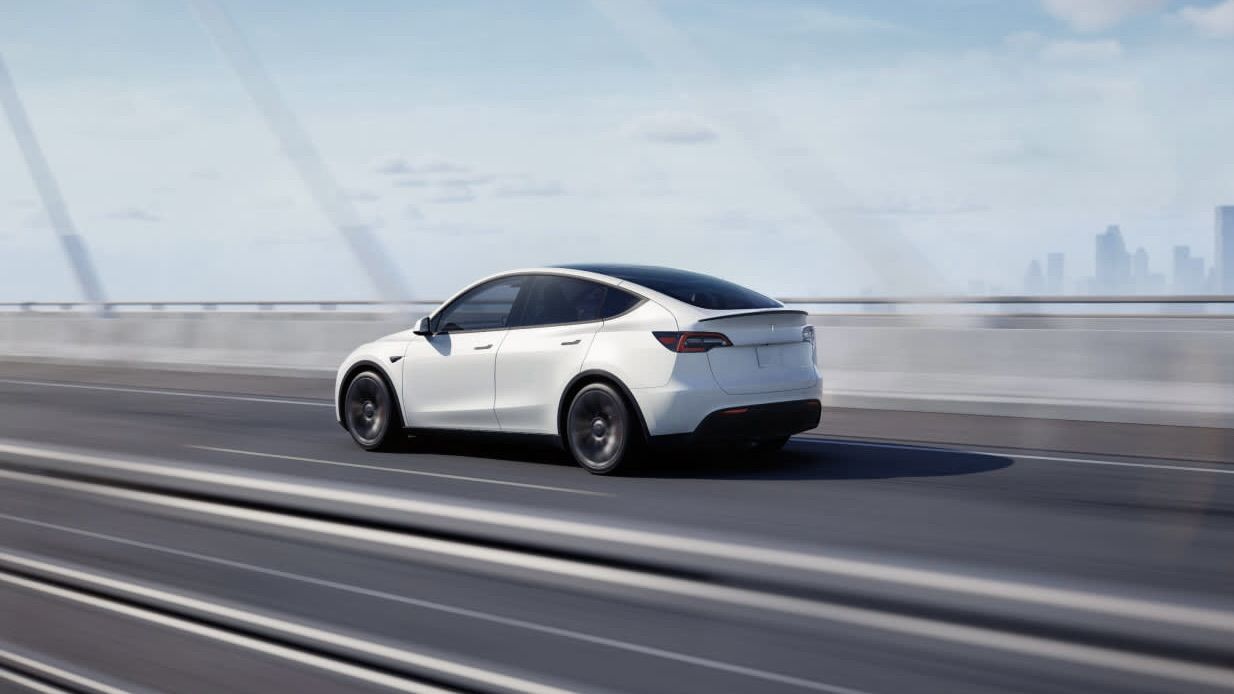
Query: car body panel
{"points": [[534, 367], [448, 380]]}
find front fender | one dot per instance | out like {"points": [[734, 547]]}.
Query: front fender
{"points": [[384, 357]]}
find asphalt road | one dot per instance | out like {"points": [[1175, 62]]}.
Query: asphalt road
{"points": [[1019, 541]]}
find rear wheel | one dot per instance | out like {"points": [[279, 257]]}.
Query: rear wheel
{"points": [[601, 431], [369, 412]]}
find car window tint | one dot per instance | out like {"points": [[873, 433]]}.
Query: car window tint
{"points": [[486, 307], [617, 302], [553, 299]]}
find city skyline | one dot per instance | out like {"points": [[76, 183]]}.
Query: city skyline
{"points": [[1119, 270]]}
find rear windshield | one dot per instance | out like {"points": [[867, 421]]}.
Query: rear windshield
{"points": [[702, 291]]}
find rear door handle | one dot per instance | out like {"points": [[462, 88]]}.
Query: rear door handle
{"points": [[572, 342], [484, 346]]}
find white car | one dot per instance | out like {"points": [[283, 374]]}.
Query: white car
{"points": [[603, 358]]}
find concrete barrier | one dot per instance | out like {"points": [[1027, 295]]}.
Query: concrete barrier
{"points": [[1143, 369]]}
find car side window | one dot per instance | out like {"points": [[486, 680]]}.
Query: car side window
{"points": [[486, 307], [553, 299], [617, 302]]}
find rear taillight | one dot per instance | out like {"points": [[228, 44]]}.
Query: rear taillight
{"points": [[807, 335], [691, 342]]}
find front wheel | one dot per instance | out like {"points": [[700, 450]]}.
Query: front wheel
{"points": [[369, 412], [601, 431]]}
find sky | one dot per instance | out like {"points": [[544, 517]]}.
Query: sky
{"points": [[802, 147]]}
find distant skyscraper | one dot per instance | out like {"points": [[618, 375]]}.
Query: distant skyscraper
{"points": [[1054, 273], [1034, 280], [1139, 270], [1223, 261], [1188, 272], [1113, 271]]}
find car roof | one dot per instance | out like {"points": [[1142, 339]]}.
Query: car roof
{"points": [[632, 273]]}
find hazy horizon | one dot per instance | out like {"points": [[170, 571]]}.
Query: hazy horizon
{"points": [[765, 142]]}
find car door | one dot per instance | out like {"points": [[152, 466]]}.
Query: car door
{"points": [[448, 377], [544, 350]]}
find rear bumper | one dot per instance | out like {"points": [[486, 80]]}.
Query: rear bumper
{"points": [[753, 422]]}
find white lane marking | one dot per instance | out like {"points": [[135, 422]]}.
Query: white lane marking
{"points": [[47, 670], [464, 478], [951, 582], [1121, 463], [27, 683], [300, 657], [676, 588], [175, 393], [1014, 456], [475, 675], [450, 609]]}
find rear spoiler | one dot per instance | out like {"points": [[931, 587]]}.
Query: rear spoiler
{"points": [[761, 312]]}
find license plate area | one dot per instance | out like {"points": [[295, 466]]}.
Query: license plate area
{"points": [[769, 356]]}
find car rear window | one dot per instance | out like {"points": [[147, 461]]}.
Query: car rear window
{"points": [[703, 291]]}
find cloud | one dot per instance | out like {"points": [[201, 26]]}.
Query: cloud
{"points": [[1095, 15], [1031, 43], [413, 213], [134, 214], [1081, 51], [458, 229], [531, 189], [473, 180], [393, 166], [670, 127], [825, 21], [413, 183], [206, 174], [1216, 21], [456, 194], [362, 195]]}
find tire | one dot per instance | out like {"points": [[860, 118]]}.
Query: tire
{"points": [[601, 431], [768, 446], [370, 412]]}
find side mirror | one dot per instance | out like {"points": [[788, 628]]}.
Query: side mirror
{"points": [[422, 327]]}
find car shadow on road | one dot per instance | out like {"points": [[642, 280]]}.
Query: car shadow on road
{"points": [[801, 459], [810, 459]]}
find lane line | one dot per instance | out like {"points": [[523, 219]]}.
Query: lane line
{"points": [[174, 393], [28, 683], [1160, 667], [816, 562], [451, 609], [418, 660], [443, 475], [1013, 456], [296, 656], [47, 670]]}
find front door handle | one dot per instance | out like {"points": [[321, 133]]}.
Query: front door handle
{"points": [[571, 342], [484, 346]]}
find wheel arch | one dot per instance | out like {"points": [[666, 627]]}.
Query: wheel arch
{"points": [[587, 377], [352, 371]]}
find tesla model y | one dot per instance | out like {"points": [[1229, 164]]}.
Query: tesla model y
{"points": [[604, 358]]}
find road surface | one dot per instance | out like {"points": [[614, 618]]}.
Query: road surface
{"points": [[843, 565]]}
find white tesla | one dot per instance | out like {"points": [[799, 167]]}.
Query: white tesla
{"points": [[604, 358]]}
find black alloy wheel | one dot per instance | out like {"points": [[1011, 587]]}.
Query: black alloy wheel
{"points": [[369, 412], [600, 429]]}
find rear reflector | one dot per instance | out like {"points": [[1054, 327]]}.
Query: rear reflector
{"points": [[691, 341], [736, 410]]}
